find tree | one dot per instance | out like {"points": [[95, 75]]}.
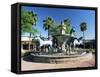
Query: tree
{"points": [[28, 20], [54, 30], [48, 22], [67, 25], [83, 28]]}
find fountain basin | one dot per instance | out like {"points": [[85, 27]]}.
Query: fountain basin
{"points": [[55, 58]]}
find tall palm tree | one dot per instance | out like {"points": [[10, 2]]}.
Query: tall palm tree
{"points": [[48, 22], [83, 28], [28, 20], [33, 31]]}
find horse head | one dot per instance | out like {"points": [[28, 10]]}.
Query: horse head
{"points": [[72, 32], [78, 42], [80, 38], [36, 37]]}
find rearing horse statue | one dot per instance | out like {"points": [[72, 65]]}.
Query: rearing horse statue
{"points": [[72, 40]]}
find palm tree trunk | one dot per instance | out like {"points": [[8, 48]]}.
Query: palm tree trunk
{"points": [[83, 41], [30, 41], [48, 32]]}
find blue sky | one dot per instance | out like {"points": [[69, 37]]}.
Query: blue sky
{"points": [[76, 16]]}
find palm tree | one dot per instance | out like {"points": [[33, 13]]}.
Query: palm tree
{"points": [[33, 31], [28, 20], [67, 25], [69, 31], [83, 28], [54, 30], [48, 22]]}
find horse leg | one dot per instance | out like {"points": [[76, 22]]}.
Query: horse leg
{"points": [[41, 49], [66, 49], [48, 49], [51, 49]]}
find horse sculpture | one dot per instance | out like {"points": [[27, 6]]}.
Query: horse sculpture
{"points": [[44, 43], [72, 41], [78, 41], [55, 44]]}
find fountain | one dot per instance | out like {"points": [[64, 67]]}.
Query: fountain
{"points": [[58, 57], [62, 38]]}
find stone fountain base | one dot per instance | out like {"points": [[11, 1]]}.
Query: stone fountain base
{"points": [[60, 58]]}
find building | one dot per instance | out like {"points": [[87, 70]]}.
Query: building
{"points": [[26, 41], [89, 44]]}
